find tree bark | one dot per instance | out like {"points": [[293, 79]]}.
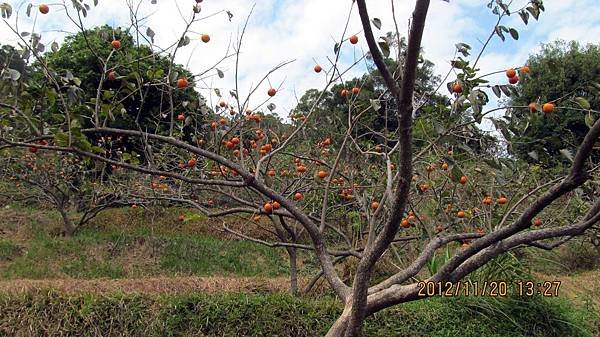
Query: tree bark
{"points": [[338, 329], [403, 95], [68, 224], [293, 270], [359, 301], [281, 228]]}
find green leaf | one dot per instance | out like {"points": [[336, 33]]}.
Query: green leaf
{"points": [[58, 117], [184, 41], [375, 104], [503, 127], [534, 155], [505, 90], [514, 33], [385, 48], [493, 164], [535, 12], [12, 74], [567, 154], [498, 31], [496, 91], [459, 63], [135, 75], [524, 16], [463, 48], [173, 77], [83, 143], [513, 90], [61, 139], [51, 95], [589, 119], [477, 115], [583, 102], [377, 23]]}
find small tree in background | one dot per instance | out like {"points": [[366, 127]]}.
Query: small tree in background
{"points": [[57, 182]]}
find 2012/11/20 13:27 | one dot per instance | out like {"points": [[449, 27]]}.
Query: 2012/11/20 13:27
{"points": [[488, 288]]}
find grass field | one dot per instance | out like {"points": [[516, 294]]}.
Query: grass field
{"points": [[144, 274], [30, 251]]}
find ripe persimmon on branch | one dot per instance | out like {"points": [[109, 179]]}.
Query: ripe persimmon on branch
{"points": [[404, 178]]}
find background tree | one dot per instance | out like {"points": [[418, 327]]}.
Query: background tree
{"points": [[58, 182], [140, 67], [369, 92], [11, 59], [562, 72]]}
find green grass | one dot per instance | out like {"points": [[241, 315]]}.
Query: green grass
{"points": [[54, 314], [94, 254], [8, 250], [576, 256], [52, 257], [207, 256], [492, 317]]}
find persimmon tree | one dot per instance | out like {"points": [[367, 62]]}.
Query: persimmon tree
{"points": [[58, 182], [353, 199]]}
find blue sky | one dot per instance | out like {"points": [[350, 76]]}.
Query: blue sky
{"points": [[305, 31]]}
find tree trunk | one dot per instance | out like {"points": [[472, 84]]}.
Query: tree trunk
{"points": [[293, 270], [358, 303], [338, 329], [69, 228], [281, 228]]}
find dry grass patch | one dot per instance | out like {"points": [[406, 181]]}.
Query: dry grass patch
{"points": [[152, 286]]}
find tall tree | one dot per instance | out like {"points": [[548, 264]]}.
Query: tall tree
{"points": [[331, 107], [568, 74], [87, 55]]}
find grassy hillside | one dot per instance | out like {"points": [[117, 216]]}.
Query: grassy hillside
{"points": [[127, 244], [170, 278]]}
